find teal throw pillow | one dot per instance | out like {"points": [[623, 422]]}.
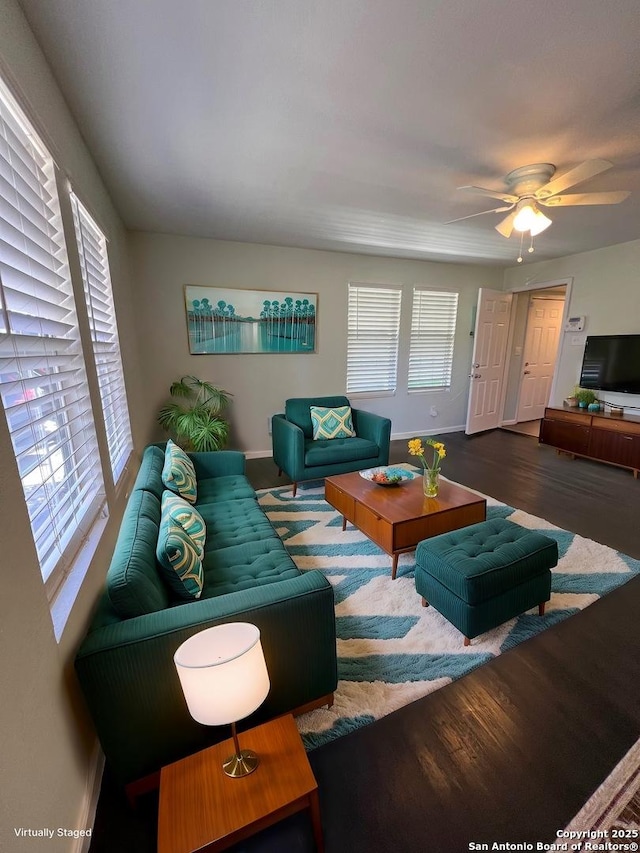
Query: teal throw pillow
{"points": [[331, 423], [178, 473], [179, 556], [187, 517]]}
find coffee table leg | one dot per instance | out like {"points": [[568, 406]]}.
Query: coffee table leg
{"points": [[394, 566], [314, 808], [344, 522]]}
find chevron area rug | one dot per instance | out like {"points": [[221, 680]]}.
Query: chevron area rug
{"points": [[391, 650]]}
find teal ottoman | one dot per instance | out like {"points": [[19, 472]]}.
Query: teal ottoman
{"points": [[485, 574]]}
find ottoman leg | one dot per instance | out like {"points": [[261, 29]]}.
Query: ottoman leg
{"points": [[425, 603], [541, 608], [467, 641]]}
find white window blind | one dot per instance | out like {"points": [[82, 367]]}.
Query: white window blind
{"points": [[433, 328], [43, 385], [94, 262], [372, 338]]}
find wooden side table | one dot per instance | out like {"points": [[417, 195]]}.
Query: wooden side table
{"points": [[203, 809]]}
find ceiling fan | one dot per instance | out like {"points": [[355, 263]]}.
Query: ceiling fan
{"points": [[531, 186]]}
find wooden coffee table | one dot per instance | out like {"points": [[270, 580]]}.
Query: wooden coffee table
{"points": [[203, 809], [398, 517]]}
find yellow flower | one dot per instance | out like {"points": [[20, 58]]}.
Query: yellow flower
{"points": [[416, 448]]}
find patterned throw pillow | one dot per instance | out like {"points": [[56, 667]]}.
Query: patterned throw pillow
{"points": [[187, 517], [332, 423], [178, 473], [178, 554]]}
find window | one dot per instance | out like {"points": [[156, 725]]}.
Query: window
{"points": [[373, 330], [43, 385], [433, 328], [92, 248]]}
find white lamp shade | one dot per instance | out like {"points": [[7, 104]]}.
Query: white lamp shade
{"points": [[223, 673], [540, 223], [525, 218]]}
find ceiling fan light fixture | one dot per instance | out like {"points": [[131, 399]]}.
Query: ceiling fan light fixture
{"points": [[540, 224], [529, 218], [525, 217]]}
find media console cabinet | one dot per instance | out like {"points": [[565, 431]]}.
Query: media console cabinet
{"points": [[594, 435]]}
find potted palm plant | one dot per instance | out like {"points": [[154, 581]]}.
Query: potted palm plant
{"points": [[196, 422]]}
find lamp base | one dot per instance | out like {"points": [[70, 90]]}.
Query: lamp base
{"points": [[241, 764]]}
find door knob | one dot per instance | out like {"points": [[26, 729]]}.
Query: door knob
{"points": [[476, 365], [526, 372], [475, 376]]}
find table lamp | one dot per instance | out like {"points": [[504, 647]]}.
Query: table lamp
{"points": [[224, 678]]}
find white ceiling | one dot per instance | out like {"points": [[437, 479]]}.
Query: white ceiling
{"points": [[348, 124]]}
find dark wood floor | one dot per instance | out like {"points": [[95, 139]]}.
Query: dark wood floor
{"points": [[511, 751]]}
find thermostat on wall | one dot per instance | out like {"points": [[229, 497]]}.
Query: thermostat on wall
{"points": [[575, 324]]}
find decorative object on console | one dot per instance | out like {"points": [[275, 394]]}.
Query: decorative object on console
{"points": [[224, 678], [432, 471], [197, 424], [585, 396], [224, 320]]}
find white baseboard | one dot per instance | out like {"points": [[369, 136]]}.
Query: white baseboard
{"points": [[395, 436], [509, 423], [257, 454], [89, 805]]}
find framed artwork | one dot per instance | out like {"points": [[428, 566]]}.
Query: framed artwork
{"points": [[226, 320]]}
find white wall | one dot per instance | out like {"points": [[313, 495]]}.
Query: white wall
{"points": [[46, 742], [260, 383], [605, 288]]}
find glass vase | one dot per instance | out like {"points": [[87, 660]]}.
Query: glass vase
{"points": [[430, 482]]}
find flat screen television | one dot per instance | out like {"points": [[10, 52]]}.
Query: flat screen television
{"points": [[611, 363]]}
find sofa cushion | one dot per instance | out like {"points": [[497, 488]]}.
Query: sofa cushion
{"points": [[225, 488], [251, 564], [150, 474], [134, 585], [187, 516], [179, 555], [336, 450], [178, 473], [331, 423], [234, 522], [298, 410]]}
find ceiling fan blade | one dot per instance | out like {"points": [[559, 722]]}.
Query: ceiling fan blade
{"points": [[471, 215], [509, 199], [585, 198], [506, 226], [574, 176]]}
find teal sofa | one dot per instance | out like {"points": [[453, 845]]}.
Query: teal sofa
{"points": [[125, 664], [301, 458]]}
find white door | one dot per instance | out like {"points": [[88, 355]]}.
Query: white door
{"points": [[539, 357], [489, 354]]}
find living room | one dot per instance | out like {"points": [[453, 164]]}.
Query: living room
{"points": [[50, 754]]}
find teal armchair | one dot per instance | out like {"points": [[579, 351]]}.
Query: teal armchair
{"points": [[301, 458]]}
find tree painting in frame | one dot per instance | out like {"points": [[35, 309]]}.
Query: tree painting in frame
{"points": [[226, 320]]}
